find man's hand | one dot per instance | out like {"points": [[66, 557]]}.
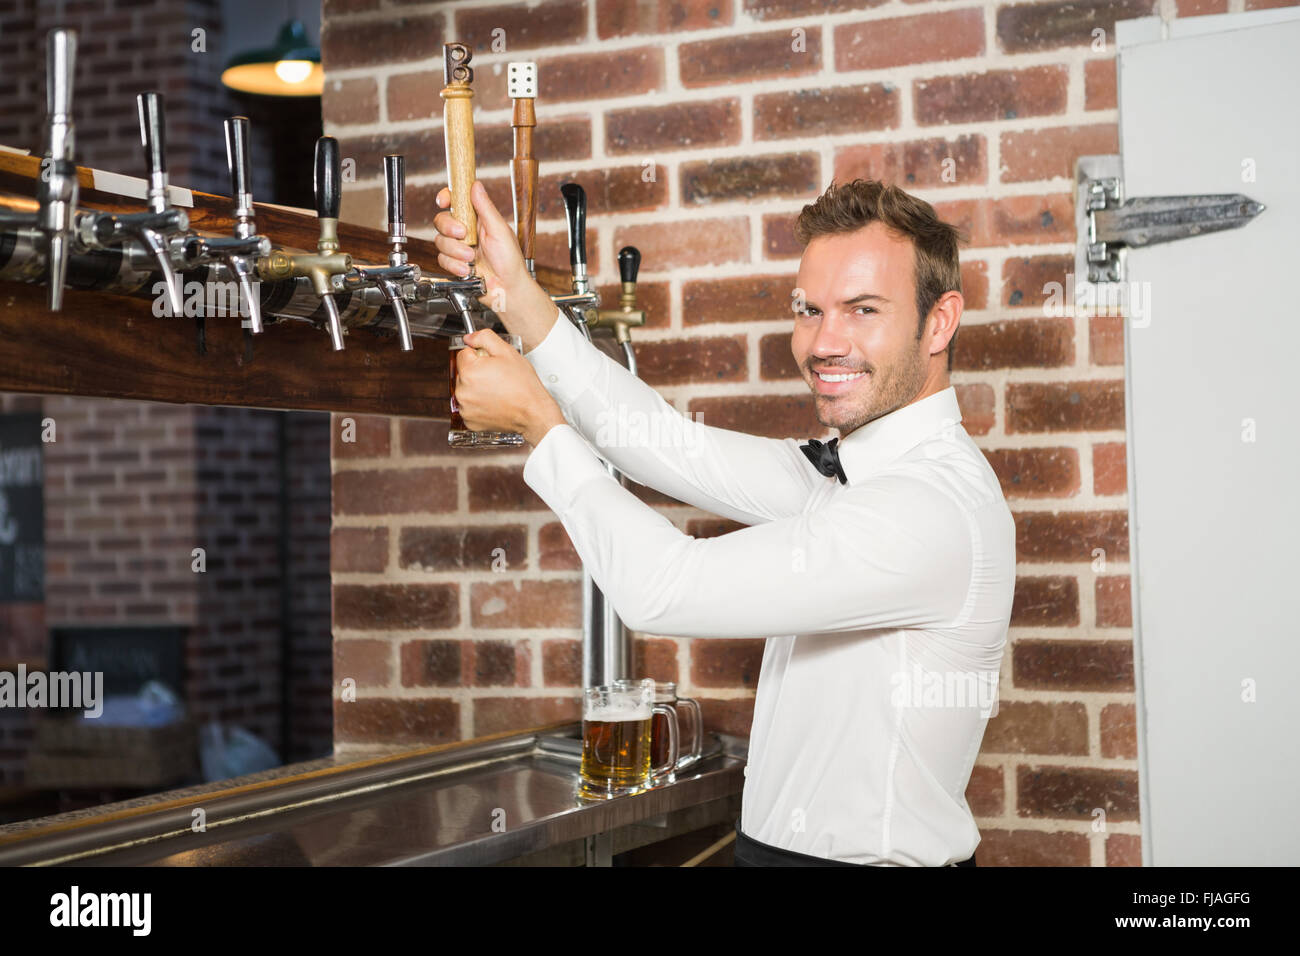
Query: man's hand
{"points": [[500, 391], [524, 306]]}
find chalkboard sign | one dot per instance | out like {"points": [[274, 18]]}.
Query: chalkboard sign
{"points": [[127, 656], [22, 509]]}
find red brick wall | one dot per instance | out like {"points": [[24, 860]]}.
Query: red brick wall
{"points": [[741, 130]]}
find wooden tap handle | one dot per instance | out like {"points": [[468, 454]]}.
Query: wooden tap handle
{"points": [[458, 132], [523, 176]]}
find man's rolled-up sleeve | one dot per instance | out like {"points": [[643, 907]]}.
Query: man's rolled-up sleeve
{"points": [[893, 551]]}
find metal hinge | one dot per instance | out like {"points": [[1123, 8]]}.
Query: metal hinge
{"points": [[1108, 224]]}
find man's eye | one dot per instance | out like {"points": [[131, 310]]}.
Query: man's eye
{"points": [[865, 308]]}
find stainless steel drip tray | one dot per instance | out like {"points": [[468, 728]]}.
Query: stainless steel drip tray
{"points": [[476, 803]]}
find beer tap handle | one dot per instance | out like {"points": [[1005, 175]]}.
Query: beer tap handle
{"points": [[575, 213], [629, 264], [59, 189], [458, 133], [522, 84], [395, 193], [241, 189], [60, 67], [627, 315], [152, 138], [327, 174]]}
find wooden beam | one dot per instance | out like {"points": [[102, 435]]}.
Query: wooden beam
{"points": [[114, 347]]}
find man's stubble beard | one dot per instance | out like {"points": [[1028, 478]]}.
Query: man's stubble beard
{"points": [[889, 389]]}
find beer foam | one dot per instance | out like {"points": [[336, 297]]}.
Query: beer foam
{"points": [[611, 713]]}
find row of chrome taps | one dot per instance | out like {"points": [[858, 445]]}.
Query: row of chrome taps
{"points": [[60, 232]]}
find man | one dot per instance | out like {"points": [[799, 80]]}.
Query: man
{"points": [[880, 566]]}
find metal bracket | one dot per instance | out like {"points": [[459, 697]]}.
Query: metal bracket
{"points": [[1108, 224]]}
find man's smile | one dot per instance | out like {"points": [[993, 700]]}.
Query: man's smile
{"points": [[835, 380]]}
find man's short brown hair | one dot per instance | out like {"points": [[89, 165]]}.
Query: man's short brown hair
{"points": [[849, 207]]}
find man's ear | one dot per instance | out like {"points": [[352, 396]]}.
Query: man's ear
{"points": [[943, 320]]}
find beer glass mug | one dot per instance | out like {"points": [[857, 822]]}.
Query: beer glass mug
{"points": [[458, 434], [661, 733], [666, 695], [616, 739]]}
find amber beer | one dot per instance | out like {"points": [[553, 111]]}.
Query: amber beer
{"points": [[616, 739], [661, 737], [457, 433], [456, 423], [615, 751]]}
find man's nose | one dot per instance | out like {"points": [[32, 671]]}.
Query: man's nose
{"points": [[831, 338]]}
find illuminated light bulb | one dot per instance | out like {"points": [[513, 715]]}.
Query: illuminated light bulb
{"points": [[293, 71]]}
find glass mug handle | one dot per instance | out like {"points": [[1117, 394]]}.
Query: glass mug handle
{"points": [[697, 746], [668, 765]]}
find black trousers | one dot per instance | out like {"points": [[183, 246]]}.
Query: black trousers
{"points": [[753, 853]]}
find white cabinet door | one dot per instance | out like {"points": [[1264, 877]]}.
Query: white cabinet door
{"points": [[1214, 442]]}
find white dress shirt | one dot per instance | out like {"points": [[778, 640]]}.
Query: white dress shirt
{"points": [[885, 601]]}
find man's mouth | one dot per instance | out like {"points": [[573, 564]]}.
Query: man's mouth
{"points": [[839, 376], [832, 381]]}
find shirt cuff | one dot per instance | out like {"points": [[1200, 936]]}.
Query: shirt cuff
{"points": [[559, 465], [563, 361]]}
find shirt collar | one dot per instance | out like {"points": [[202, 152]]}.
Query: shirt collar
{"points": [[870, 447]]}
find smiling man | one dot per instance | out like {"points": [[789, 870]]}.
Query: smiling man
{"points": [[880, 565]]}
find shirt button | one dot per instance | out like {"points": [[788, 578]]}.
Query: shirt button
{"points": [[552, 378]]}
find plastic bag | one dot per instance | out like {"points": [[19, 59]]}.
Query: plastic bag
{"points": [[154, 705], [231, 751]]}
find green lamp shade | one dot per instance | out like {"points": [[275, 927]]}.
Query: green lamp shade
{"points": [[290, 68]]}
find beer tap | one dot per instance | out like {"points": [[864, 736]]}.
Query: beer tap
{"points": [[522, 86], [58, 191], [155, 228], [393, 280], [458, 134], [327, 263], [581, 303], [240, 252], [605, 646], [627, 315]]}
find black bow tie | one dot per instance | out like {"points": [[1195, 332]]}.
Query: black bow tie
{"points": [[825, 458]]}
